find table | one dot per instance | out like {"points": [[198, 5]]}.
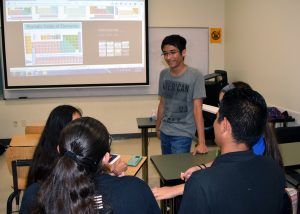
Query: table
{"points": [[25, 145], [133, 170], [144, 124], [35, 128], [283, 121], [25, 140], [169, 168]]}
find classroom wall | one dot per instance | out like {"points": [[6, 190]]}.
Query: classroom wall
{"points": [[119, 113], [262, 48]]}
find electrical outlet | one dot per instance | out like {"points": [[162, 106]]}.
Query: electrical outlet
{"points": [[15, 124], [23, 123]]}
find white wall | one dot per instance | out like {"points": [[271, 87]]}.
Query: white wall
{"points": [[262, 48], [119, 113]]}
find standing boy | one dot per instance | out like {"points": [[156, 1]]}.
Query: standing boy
{"points": [[181, 91]]}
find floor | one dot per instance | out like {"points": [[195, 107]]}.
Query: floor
{"points": [[128, 147]]}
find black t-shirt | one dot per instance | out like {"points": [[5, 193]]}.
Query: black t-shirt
{"points": [[237, 182], [126, 194]]}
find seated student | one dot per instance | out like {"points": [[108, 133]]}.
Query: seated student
{"points": [[266, 145], [78, 183], [46, 154], [238, 180], [46, 151]]}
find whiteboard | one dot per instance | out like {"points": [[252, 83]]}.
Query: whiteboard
{"points": [[197, 57]]}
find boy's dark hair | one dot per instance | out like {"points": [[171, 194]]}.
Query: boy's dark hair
{"points": [[175, 40], [246, 110]]}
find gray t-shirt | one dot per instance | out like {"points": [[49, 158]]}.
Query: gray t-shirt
{"points": [[178, 94]]}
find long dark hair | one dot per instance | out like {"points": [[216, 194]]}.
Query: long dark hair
{"points": [[70, 188], [272, 149], [46, 151]]}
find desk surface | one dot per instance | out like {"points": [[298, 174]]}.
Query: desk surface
{"points": [[169, 167], [133, 170], [25, 140], [281, 120], [146, 122], [31, 140], [290, 153], [35, 128]]}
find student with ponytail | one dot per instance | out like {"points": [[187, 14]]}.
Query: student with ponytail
{"points": [[79, 183]]}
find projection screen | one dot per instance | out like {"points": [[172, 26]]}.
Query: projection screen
{"points": [[71, 43]]}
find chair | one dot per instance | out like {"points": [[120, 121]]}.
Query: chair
{"points": [[18, 161], [16, 189]]}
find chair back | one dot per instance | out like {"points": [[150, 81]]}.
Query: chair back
{"points": [[19, 153], [18, 160]]}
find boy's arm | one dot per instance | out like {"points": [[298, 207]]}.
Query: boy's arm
{"points": [[160, 110], [201, 146]]}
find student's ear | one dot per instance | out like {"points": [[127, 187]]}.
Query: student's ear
{"points": [[226, 126], [183, 53], [57, 148], [106, 157]]}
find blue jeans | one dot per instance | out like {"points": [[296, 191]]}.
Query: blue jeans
{"points": [[175, 144]]}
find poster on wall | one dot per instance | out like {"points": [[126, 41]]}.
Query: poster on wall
{"points": [[216, 35]]}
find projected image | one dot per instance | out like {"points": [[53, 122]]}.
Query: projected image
{"points": [[52, 43], [113, 48], [75, 42]]}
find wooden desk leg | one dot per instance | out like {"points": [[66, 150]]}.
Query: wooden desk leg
{"points": [[145, 153]]}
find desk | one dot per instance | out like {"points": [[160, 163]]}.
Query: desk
{"points": [[25, 140], [35, 128], [133, 170], [144, 124], [283, 121], [169, 168], [23, 147]]}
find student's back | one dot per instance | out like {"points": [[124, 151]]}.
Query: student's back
{"points": [[79, 184], [126, 194], [238, 182]]}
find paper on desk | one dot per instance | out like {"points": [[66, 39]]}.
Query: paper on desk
{"points": [[210, 109]]}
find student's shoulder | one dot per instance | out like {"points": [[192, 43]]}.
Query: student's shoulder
{"points": [[164, 72], [195, 72], [29, 197], [267, 161], [202, 177], [32, 189], [132, 180], [106, 179]]}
